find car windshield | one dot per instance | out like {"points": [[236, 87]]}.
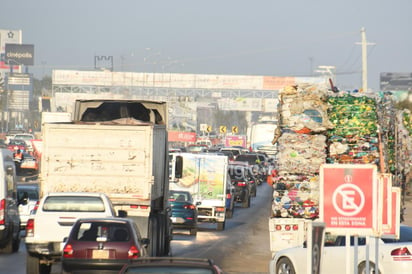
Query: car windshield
{"points": [[111, 232], [32, 193], [73, 204], [251, 159]]}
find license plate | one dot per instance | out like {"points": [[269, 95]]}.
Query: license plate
{"points": [[100, 254]]}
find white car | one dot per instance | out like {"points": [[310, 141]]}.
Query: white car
{"points": [[395, 256]]}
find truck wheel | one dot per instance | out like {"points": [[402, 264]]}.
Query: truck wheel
{"points": [[285, 266], [8, 248], [193, 231], [246, 202], [221, 226], [16, 242], [153, 231], [162, 235], [362, 268], [229, 213], [33, 266]]}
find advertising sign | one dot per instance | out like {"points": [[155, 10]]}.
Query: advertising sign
{"points": [[235, 140], [182, 136], [385, 202], [395, 213], [20, 54], [348, 200], [316, 238]]}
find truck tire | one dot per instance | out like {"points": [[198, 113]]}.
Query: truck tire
{"points": [[8, 248], [153, 236], [246, 202], [162, 235], [33, 266], [221, 226], [229, 213], [193, 231], [16, 242], [362, 268]]}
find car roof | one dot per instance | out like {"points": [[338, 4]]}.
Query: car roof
{"points": [[105, 220], [19, 185], [94, 194]]}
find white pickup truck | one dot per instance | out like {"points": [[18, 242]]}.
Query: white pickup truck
{"points": [[52, 222]]}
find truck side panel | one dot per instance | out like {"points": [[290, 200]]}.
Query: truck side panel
{"points": [[112, 159]]}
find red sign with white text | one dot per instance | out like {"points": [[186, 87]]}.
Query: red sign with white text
{"points": [[348, 200]]}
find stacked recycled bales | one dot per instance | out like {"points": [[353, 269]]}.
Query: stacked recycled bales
{"points": [[354, 137], [302, 149]]}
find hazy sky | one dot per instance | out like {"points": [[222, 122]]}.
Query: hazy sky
{"points": [[266, 37]]}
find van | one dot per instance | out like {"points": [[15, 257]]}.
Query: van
{"points": [[9, 213]]}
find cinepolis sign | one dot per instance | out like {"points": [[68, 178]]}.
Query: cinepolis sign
{"points": [[19, 54]]}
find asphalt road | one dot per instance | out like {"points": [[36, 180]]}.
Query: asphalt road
{"points": [[243, 247]]}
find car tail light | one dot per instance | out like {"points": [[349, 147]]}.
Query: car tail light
{"points": [[2, 210], [192, 207], [400, 251], [220, 209], [139, 206], [30, 228], [133, 252], [287, 227], [241, 184], [34, 210], [68, 251]]}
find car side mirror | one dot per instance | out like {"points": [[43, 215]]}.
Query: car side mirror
{"points": [[198, 203], [24, 199], [122, 213], [145, 242], [65, 239]]}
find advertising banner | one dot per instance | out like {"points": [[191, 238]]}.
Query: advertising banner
{"points": [[348, 198], [181, 136], [234, 140], [385, 203], [20, 54]]}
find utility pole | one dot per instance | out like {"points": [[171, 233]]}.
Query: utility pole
{"points": [[364, 45]]}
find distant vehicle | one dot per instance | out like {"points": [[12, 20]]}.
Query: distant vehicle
{"points": [[242, 180], [100, 244], [261, 137], [29, 165], [26, 137], [28, 194], [196, 148], [184, 212], [171, 265], [9, 217], [394, 256], [57, 212], [15, 144], [259, 164], [235, 150]]}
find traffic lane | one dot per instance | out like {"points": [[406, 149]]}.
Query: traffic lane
{"points": [[243, 247]]}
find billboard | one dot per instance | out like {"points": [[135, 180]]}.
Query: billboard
{"points": [[20, 54]]}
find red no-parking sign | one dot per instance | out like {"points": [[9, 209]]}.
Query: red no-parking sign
{"points": [[348, 198]]}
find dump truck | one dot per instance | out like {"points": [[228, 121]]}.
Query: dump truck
{"points": [[116, 147]]}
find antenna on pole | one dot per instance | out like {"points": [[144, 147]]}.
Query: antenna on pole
{"points": [[364, 44]]}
